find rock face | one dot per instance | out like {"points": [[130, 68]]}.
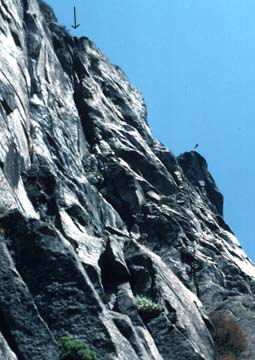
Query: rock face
{"points": [[95, 212]]}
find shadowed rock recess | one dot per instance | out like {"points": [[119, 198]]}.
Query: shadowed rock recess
{"points": [[95, 213]]}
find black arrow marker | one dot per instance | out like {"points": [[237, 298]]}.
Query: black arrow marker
{"points": [[75, 23]]}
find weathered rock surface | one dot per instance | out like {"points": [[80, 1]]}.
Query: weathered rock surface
{"points": [[95, 212]]}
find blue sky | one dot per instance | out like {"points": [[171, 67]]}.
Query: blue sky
{"points": [[194, 62]]}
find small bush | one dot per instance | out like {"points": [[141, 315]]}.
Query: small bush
{"points": [[74, 349], [47, 12], [32, 190], [3, 208], [228, 357], [65, 29], [147, 306], [229, 339]]}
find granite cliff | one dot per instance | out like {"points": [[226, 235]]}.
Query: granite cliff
{"points": [[95, 213]]}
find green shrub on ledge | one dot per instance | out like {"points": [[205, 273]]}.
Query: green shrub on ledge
{"points": [[147, 306], [74, 349]]}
